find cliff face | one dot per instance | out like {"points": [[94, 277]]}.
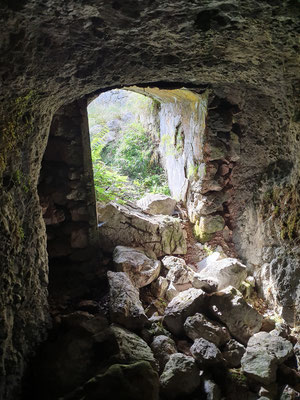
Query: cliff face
{"points": [[54, 52]]}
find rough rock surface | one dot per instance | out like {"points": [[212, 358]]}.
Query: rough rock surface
{"points": [[180, 376], [199, 326], [128, 226], [230, 308], [62, 51], [159, 287], [157, 204], [125, 306], [182, 306], [206, 353], [131, 348], [179, 273], [228, 272], [263, 355], [163, 347], [132, 380], [141, 269], [207, 284], [233, 353]]}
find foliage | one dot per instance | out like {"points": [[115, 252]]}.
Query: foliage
{"points": [[126, 168]]}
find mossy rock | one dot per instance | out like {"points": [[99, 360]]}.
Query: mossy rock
{"points": [[123, 382], [207, 226]]}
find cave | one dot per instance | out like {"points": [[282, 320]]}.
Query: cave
{"points": [[226, 75]]}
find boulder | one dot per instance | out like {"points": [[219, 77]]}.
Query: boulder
{"points": [[179, 273], [157, 204], [209, 285], [211, 390], [206, 226], [180, 376], [171, 292], [206, 353], [228, 272], [233, 353], [163, 347], [159, 287], [198, 326], [141, 269], [263, 355], [182, 306], [129, 226], [229, 307], [125, 307], [131, 348], [215, 256], [122, 382]]}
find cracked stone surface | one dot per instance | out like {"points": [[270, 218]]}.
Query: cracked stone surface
{"points": [[128, 226], [245, 52]]}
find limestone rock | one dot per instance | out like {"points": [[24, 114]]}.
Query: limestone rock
{"points": [[198, 326], [207, 226], [129, 226], [163, 347], [182, 306], [233, 353], [157, 204], [132, 380], [211, 390], [180, 376], [263, 355], [125, 306], [206, 353], [215, 256], [131, 348], [141, 269], [179, 273], [171, 292], [209, 285], [230, 308], [228, 272], [159, 287]]}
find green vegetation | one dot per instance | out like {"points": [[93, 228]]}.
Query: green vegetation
{"points": [[127, 167]]}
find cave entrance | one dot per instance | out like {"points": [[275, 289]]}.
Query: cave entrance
{"points": [[125, 136], [192, 142]]}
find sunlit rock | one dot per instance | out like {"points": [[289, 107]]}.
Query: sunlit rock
{"points": [[157, 204], [141, 269], [227, 272], [129, 226], [264, 353], [206, 353], [182, 306]]}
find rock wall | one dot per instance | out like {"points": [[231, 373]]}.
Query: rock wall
{"points": [[67, 198], [55, 52]]}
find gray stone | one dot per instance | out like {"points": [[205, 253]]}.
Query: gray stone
{"points": [[211, 389], [129, 226], [228, 272], [125, 306], [141, 269], [230, 308], [131, 348], [163, 347], [171, 292], [206, 353], [179, 273], [215, 256], [182, 306], [263, 355], [104, 387], [199, 326], [159, 287], [180, 376], [157, 204], [209, 285], [233, 353]]}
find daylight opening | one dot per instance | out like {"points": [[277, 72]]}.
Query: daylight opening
{"points": [[125, 135]]}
